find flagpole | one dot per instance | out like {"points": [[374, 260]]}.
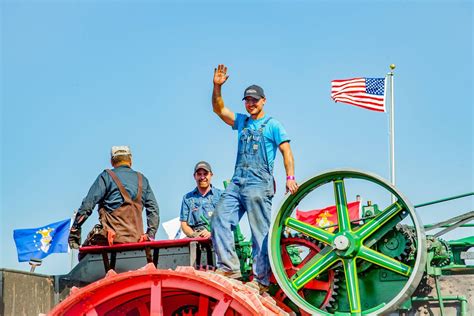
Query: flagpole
{"points": [[392, 129], [72, 250]]}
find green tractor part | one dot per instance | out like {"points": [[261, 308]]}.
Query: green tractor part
{"points": [[376, 263]]}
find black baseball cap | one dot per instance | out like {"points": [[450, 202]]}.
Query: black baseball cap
{"points": [[254, 91], [203, 165]]}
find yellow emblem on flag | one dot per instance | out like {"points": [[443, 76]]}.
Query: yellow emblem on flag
{"points": [[45, 239], [323, 221]]}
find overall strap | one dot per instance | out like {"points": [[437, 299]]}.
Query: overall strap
{"points": [[265, 156], [138, 198], [246, 122], [265, 123], [119, 184]]}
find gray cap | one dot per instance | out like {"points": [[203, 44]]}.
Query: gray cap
{"points": [[203, 165], [120, 151], [254, 91]]}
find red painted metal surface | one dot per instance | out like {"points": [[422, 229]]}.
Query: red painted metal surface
{"points": [[150, 291], [291, 269], [142, 245]]}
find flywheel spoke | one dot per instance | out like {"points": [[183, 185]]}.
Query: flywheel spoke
{"points": [[384, 261], [309, 230], [374, 224], [352, 282], [310, 272], [344, 221]]}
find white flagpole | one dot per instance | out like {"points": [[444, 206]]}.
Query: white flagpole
{"points": [[72, 250], [392, 129]]}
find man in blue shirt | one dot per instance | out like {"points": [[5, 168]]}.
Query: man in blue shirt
{"points": [[121, 194], [199, 203], [252, 186]]}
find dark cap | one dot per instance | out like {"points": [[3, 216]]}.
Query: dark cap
{"points": [[254, 91], [202, 165]]}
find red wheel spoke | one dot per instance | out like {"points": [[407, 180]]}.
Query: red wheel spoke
{"points": [[222, 306], [92, 312], [287, 263], [313, 248], [203, 306], [318, 285], [143, 309], [156, 307]]}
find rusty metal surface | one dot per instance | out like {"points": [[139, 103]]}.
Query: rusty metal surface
{"points": [[451, 285], [24, 293]]}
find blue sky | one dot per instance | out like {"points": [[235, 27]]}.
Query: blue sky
{"points": [[80, 76]]}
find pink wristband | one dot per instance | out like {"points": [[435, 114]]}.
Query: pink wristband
{"points": [[290, 178]]}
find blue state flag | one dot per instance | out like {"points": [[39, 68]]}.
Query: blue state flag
{"points": [[40, 242]]}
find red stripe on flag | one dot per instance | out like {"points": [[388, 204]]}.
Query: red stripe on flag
{"points": [[354, 91], [364, 106], [344, 80]]}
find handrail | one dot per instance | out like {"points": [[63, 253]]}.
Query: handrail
{"points": [[444, 200]]}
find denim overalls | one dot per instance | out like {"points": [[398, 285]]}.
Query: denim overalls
{"points": [[251, 190], [200, 206]]}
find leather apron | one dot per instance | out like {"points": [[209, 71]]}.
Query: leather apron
{"points": [[124, 224]]}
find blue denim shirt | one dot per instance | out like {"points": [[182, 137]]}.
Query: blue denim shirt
{"points": [[105, 193], [194, 205]]}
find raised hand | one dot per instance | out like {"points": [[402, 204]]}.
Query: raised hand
{"points": [[220, 75]]}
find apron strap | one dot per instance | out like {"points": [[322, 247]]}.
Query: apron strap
{"points": [[138, 199], [119, 184]]}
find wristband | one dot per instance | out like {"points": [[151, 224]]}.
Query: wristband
{"points": [[290, 177]]}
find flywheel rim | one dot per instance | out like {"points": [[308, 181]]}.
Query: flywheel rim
{"points": [[280, 220]]}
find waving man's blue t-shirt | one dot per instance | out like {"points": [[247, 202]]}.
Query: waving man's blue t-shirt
{"points": [[274, 133]]}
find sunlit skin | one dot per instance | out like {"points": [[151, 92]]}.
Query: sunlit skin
{"points": [[203, 180], [254, 107]]}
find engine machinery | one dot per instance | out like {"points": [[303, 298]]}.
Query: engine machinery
{"points": [[382, 263]]}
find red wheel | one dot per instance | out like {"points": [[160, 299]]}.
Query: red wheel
{"points": [[165, 292], [323, 288]]}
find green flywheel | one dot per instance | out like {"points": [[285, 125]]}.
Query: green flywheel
{"points": [[369, 282]]}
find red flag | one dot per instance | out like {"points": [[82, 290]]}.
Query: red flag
{"points": [[327, 216]]}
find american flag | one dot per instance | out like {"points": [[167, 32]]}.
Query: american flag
{"points": [[368, 93]]}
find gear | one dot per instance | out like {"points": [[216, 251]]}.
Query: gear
{"points": [[297, 250], [410, 246], [442, 253]]}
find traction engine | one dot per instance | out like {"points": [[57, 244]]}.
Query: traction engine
{"points": [[380, 263]]}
